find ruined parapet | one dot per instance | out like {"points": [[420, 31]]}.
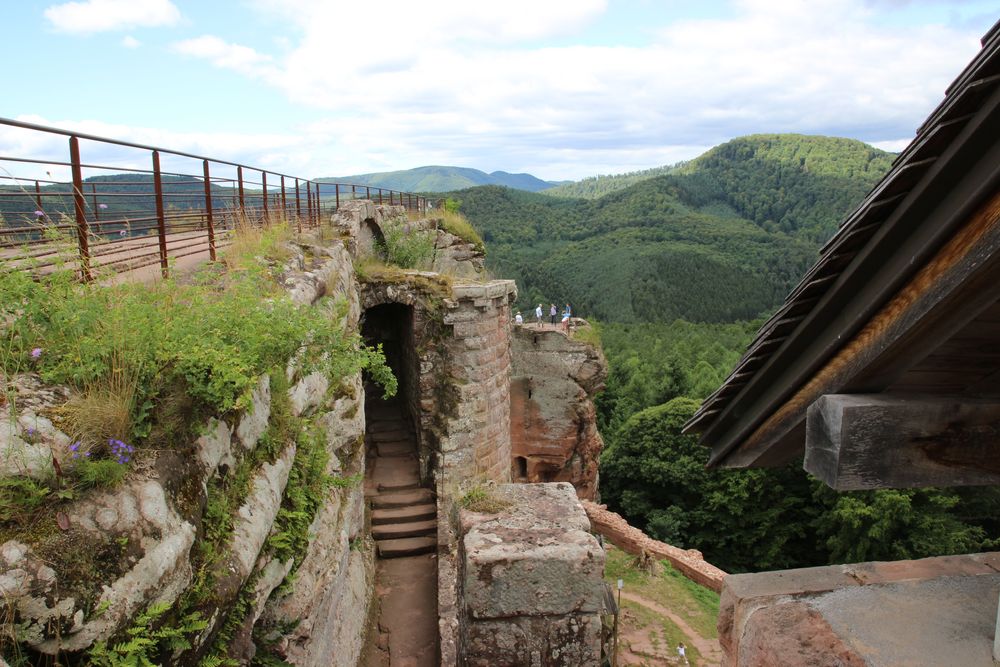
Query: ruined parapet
{"points": [[361, 220], [629, 539], [532, 579], [458, 257], [554, 435], [927, 612]]}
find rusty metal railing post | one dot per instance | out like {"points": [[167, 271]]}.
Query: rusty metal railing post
{"points": [[161, 219], [368, 193], [38, 195], [298, 201], [263, 184], [309, 202], [380, 196], [210, 223], [336, 187], [239, 179], [79, 205], [284, 200], [319, 208]]}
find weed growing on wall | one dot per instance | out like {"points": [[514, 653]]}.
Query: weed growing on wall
{"points": [[406, 248], [453, 222], [147, 639]]}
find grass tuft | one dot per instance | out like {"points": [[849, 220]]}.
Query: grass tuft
{"points": [[485, 499]]}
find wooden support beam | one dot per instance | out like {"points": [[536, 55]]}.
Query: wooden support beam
{"points": [[879, 441]]}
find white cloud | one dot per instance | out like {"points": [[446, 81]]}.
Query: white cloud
{"points": [[103, 15], [227, 56], [468, 84], [130, 42]]}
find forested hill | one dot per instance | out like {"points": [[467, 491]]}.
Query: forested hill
{"points": [[720, 239], [798, 184], [600, 185]]}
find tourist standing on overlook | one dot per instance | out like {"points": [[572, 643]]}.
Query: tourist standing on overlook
{"points": [[538, 315], [552, 314], [567, 313], [518, 320]]}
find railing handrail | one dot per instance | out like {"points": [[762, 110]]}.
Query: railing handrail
{"points": [[130, 144], [244, 192]]}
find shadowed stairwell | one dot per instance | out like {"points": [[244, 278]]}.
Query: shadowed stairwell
{"points": [[403, 511]]}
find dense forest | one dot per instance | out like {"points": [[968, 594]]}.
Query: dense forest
{"points": [[603, 184], [678, 269]]}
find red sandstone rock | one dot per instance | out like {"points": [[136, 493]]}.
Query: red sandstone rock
{"points": [[793, 635], [632, 540], [553, 422]]}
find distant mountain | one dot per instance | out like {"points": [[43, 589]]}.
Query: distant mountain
{"points": [[718, 239], [441, 179]]}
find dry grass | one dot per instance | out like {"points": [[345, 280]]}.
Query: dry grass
{"points": [[484, 498], [455, 223], [104, 409], [254, 238]]}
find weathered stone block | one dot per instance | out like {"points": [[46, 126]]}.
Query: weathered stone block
{"points": [[535, 558], [568, 641]]}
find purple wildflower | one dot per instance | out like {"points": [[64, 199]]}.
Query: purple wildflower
{"points": [[39, 214], [75, 448], [37, 352]]}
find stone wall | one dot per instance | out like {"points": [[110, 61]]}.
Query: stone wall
{"points": [[477, 445], [554, 435], [532, 578], [617, 530]]}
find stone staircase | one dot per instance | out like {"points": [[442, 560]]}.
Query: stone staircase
{"points": [[404, 514]]}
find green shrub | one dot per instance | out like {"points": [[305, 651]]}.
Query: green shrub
{"points": [[407, 249]]}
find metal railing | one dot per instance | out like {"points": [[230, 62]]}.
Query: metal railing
{"points": [[130, 206]]}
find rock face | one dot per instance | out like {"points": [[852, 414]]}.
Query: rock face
{"points": [[554, 435], [532, 581], [109, 555], [458, 258]]}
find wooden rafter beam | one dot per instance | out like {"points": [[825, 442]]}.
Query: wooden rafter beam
{"points": [[878, 441]]}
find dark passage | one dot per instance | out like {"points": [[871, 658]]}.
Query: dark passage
{"points": [[403, 511]]}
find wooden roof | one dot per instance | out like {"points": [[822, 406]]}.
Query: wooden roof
{"points": [[946, 174]]}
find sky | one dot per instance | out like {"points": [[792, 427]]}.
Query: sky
{"points": [[562, 89]]}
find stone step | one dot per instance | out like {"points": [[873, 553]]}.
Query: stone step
{"points": [[391, 499], [398, 485], [407, 546], [420, 512], [396, 448], [381, 425], [401, 530], [398, 435]]}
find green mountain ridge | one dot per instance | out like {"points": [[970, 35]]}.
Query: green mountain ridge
{"points": [[721, 238], [436, 178]]}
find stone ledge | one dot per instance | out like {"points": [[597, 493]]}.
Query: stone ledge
{"points": [[492, 290], [932, 611]]}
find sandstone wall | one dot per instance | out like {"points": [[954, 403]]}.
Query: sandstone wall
{"points": [[532, 578], [477, 445], [554, 435]]}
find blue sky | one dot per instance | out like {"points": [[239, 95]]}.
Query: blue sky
{"points": [[560, 88]]}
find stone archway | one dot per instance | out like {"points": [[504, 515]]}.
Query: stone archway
{"points": [[370, 236]]}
